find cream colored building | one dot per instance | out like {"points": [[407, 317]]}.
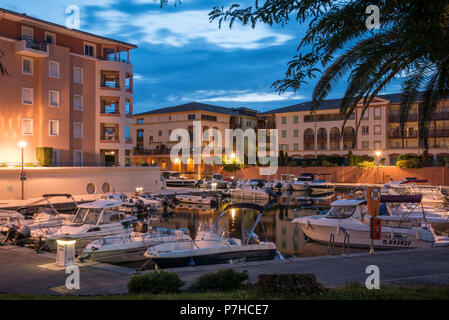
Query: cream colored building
{"points": [[65, 89], [152, 129], [306, 134]]}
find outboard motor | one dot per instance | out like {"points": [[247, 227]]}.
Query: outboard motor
{"points": [[21, 235], [141, 227], [141, 210], [251, 237]]}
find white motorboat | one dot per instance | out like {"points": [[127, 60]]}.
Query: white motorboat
{"points": [[432, 195], [176, 180], [8, 217], [321, 187], [347, 222], [92, 221], [286, 182], [151, 202], [210, 248], [247, 192], [302, 183], [130, 247], [203, 199]]}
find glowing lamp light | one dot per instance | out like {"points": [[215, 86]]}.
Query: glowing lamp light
{"points": [[65, 242], [22, 144], [378, 153], [139, 189], [233, 213], [177, 160], [233, 155]]}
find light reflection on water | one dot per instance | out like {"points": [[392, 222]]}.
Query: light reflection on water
{"points": [[275, 224]]}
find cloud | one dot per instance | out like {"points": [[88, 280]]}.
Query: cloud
{"points": [[181, 28], [238, 96]]}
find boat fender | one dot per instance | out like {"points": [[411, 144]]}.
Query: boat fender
{"points": [[191, 263]]}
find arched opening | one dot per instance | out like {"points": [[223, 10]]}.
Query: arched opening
{"points": [[335, 138], [322, 139], [309, 139], [348, 138]]}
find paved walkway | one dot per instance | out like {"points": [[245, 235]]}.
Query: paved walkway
{"points": [[23, 271]]}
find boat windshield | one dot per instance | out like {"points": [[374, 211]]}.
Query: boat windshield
{"points": [[341, 212], [111, 215], [87, 215]]}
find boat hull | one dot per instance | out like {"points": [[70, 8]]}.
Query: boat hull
{"points": [[361, 238], [218, 258]]}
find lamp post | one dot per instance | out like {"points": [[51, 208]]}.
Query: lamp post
{"points": [[378, 154], [22, 145]]}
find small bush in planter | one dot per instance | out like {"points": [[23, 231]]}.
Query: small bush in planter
{"points": [[44, 156], [223, 280], [155, 282]]}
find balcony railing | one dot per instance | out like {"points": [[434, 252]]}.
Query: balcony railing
{"points": [[395, 118], [110, 138], [440, 116], [348, 136], [31, 43], [407, 134], [439, 133], [115, 59], [139, 151]]}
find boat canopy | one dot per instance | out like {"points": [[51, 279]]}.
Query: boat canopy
{"points": [[403, 198]]}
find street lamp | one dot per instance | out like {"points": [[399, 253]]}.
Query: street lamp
{"points": [[22, 145], [378, 154]]}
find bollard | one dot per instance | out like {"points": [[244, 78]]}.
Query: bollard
{"points": [[65, 255]]}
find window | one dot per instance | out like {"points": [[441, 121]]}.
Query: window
{"points": [[50, 37], [365, 130], [27, 127], [191, 117], [207, 117], [160, 133], [377, 113], [377, 145], [284, 133], [283, 147], [365, 144], [295, 147], [78, 158], [78, 130], [53, 69], [78, 102], [128, 108], [55, 157], [27, 96], [377, 129], [295, 119], [53, 127], [27, 66], [89, 49], [54, 98], [77, 75], [140, 121], [27, 32], [284, 120], [365, 115], [296, 133]]}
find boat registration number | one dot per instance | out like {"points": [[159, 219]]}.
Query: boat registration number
{"points": [[403, 243]]}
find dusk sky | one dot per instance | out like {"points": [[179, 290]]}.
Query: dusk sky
{"points": [[182, 57]]}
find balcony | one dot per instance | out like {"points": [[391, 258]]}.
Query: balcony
{"points": [[322, 137], [110, 107], [439, 133], [396, 134], [335, 137], [440, 116], [348, 137], [30, 47], [109, 133], [110, 79], [395, 118], [151, 152]]}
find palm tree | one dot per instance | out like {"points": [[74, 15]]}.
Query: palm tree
{"points": [[3, 72], [412, 43]]}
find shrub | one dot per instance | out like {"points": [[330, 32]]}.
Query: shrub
{"points": [[223, 280], [155, 282], [366, 164], [298, 284], [44, 156]]}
